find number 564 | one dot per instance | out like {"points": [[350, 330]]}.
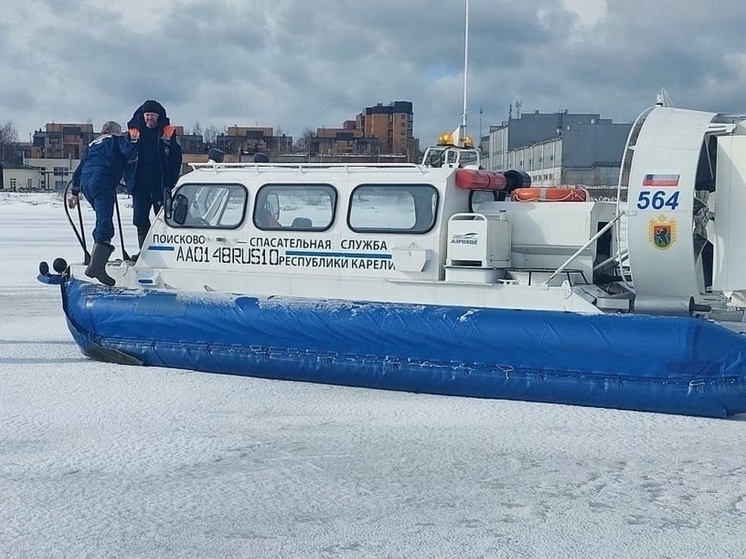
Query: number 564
{"points": [[657, 199]]}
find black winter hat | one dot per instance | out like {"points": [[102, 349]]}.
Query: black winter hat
{"points": [[151, 106]]}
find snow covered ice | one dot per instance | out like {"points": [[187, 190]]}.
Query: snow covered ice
{"points": [[102, 460]]}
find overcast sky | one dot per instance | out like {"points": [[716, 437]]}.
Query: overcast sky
{"points": [[295, 64]]}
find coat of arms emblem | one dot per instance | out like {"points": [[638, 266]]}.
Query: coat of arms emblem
{"points": [[662, 232]]}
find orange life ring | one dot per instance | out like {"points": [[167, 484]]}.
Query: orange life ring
{"points": [[549, 194]]}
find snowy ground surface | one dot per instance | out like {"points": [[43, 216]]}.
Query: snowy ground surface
{"points": [[100, 460]]}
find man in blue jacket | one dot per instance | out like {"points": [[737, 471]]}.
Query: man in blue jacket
{"points": [[158, 164], [108, 159]]}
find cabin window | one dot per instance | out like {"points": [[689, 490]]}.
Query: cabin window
{"points": [[208, 206], [448, 156], [402, 208], [476, 197], [295, 207]]}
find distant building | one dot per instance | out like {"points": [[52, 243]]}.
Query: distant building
{"points": [[378, 131], [239, 141], [192, 143], [559, 148], [62, 141], [16, 177], [53, 173], [56, 151], [393, 126], [347, 140]]}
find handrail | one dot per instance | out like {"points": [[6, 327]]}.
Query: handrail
{"points": [[577, 253], [301, 166], [80, 235], [621, 257], [626, 167]]}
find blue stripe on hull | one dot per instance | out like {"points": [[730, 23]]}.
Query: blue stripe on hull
{"points": [[660, 364]]}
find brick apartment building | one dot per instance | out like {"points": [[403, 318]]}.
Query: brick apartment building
{"points": [[392, 125]]}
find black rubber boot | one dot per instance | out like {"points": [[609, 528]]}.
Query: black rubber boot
{"points": [[97, 268]]}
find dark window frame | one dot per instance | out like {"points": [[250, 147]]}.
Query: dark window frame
{"points": [[415, 229], [264, 190], [174, 224]]}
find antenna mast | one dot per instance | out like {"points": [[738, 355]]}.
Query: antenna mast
{"points": [[462, 136]]}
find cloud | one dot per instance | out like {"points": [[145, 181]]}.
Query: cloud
{"points": [[298, 65]]}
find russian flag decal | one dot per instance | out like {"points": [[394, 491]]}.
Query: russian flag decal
{"points": [[661, 180]]}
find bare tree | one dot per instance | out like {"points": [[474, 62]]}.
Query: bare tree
{"points": [[8, 136], [211, 133], [302, 143]]}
